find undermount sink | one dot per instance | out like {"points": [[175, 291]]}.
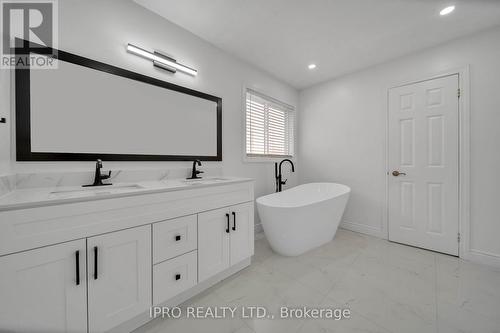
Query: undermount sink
{"points": [[201, 181], [91, 191]]}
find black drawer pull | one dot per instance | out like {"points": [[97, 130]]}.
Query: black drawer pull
{"points": [[177, 238], [227, 228], [234, 221], [77, 257], [95, 262], [177, 277]]}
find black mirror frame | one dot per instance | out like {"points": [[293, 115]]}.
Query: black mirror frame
{"points": [[23, 111]]}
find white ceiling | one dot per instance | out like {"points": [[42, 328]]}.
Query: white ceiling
{"points": [[341, 36]]}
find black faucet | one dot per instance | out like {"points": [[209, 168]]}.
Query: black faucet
{"points": [[98, 177], [277, 176], [195, 173]]}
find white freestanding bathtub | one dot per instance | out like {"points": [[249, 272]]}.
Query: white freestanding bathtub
{"points": [[303, 217]]}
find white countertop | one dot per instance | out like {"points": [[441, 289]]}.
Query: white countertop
{"points": [[37, 197]]}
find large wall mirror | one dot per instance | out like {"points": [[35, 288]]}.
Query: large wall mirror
{"points": [[85, 110]]}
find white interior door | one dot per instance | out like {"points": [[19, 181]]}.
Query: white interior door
{"points": [[44, 290], [423, 146], [119, 277]]}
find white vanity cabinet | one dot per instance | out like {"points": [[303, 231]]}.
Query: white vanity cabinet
{"points": [[175, 267], [44, 290], [174, 237], [174, 276], [225, 237], [119, 277], [213, 242], [242, 232], [99, 265]]}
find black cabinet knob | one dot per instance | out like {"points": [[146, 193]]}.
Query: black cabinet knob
{"points": [[177, 277], [177, 238]]}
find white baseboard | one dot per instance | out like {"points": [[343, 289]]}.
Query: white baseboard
{"points": [[260, 236], [482, 257], [477, 256], [258, 228], [363, 229]]}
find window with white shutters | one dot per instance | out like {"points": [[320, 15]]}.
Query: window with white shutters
{"points": [[269, 126]]}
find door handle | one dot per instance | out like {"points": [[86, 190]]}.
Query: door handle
{"points": [[234, 221], [95, 262], [227, 228], [77, 257], [396, 173]]}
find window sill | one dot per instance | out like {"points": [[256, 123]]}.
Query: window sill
{"points": [[266, 159]]}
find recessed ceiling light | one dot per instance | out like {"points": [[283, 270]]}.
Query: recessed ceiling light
{"points": [[312, 66], [447, 10]]}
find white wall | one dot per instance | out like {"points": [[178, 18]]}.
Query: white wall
{"points": [[342, 134], [100, 30]]}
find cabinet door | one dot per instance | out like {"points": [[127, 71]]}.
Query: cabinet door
{"points": [[40, 291], [213, 243], [242, 232], [119, 277]]}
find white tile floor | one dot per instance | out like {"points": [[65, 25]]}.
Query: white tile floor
{"points": [[388, 288]]}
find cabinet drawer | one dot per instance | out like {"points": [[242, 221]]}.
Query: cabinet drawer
{"points": [[174, 276], [174, 237]]}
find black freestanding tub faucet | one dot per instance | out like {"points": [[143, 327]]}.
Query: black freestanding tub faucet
{"points": [[278, 174]]}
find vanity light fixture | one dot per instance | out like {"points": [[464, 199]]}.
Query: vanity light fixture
{"points": [[312, 66], [161, 60], [447, 10]]}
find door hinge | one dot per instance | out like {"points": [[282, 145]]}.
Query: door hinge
{"points": [[458, 237], [459, 92]]}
